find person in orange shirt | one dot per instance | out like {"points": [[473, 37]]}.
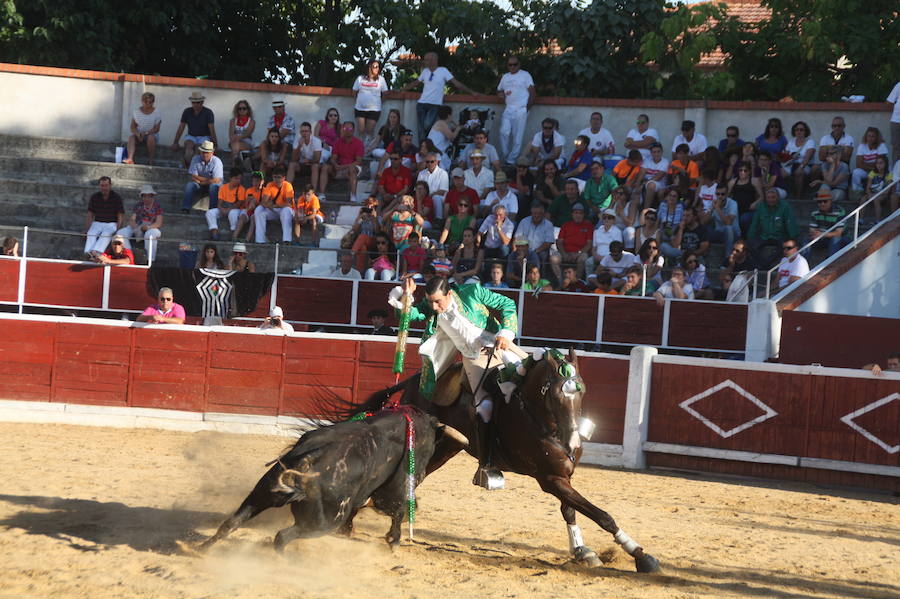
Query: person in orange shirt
{"points": [[683, 164], [252, 198], [308, 210], [276, 203], [629, 173], [231, 204]]}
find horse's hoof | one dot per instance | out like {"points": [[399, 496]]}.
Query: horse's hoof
{"points": [[646, 563], [587, 556]]}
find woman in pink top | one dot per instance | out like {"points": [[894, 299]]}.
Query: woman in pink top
{"points": [[382, 268], [328, 129]]}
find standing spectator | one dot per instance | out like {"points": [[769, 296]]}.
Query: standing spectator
{"points": [[642, 137], [117, 253], [276, 323], [769, 174], [232, 203], [689, 237], [516, 88], [442, 134], [378, 318], [617, 262], [732, 139], [145, 124], [412, 259], [238, 260], [573, 243], [105, 216], [10, 247], [200, 123], [549, 184], [284, 123], [164, 312], [275, 204], [456, 223], [478, 177], [272, 152], [364, 230], [772, 140], [872, 146], [481, 143], [308, 211], [146, 220], [328, 130], [209, 258], [518, 260], [635, 285], [834, 175], [894, 98], [724, 227], [561, 210], [344, 269], [388, 135], [438, 182], [802, 150], [346, 159], [496, 278], [240, 130], [826, 215], [533, 280], [676, 287], [600, 140], [495, 233], [396, 181], [368, 89], [206, 172], [307, 157], [696, 142], [570, 282], [773, 223], [793, 266], [879, 177], [501, 196], [382, 267], [538, 231], [547, 144], [579, 163], [656, 172], [598, 190], [468, 259], [433, 78], [460, 192]]}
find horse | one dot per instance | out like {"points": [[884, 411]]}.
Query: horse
{"points": [[536, 435]]}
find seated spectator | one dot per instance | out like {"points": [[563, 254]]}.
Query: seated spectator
{"points": [[533, 280], [892, 364], [879, 177], [696, 142], [724, 227], [276, 203], [802, 154], [423, 204], [523, 184], [573, 242], [389, 134], [284, 124], [438, 183], [773, 224], [496, 280], [426, 147], [602, 281], [468, 259], [769, 174], [600, 140], [437, 258], [706, 195], [538, 231], [206, 172], [346, 159], [412, 259], [10, 247], [635, 285], [201, 128], [501, 195], [739, 260], [695, 274], [209, 258], [826, 215], [145, 124], [648, 227], [649, 258], [517, 261], [253, 197], [547, 144], [834, 176], [838, 139], [626, 211], [459, 192], [232, 203], [749, 153], [164, 312], [363, 232], [606, 233], [549, 184], [671, 210], [872, 147], [570, 283], [344, 269], [308, 211], [459, 221], [404, 221], [478, 177], [275, 322], [238, 260], [395, 182], [495, 234], [377, 318], [240, 131], [677, 287], [597, 193], [772, 140], [145, 221], [105, 216], [382, 267], [656, 171], [488, 151], [308, 158], [617, 262], [579, 164], [117, 253], [642, 137], [793, 266], [328, 130], [561, 209], [630, 174], [732, 139], [681, 164], [689, 237], [442, 133]]}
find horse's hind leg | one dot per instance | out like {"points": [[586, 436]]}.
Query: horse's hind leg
{"points": [[562, 489], [581, 552]]}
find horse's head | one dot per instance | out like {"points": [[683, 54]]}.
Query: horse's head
{"points": [[561, 391]]}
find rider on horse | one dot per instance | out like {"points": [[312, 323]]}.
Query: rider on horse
{"points": [[458, 320]]}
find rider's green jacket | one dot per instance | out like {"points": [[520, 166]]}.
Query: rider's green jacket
{"points": [[475, 303]]}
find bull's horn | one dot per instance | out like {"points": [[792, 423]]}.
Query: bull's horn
{"points": [[457, 436], [302, 476]]}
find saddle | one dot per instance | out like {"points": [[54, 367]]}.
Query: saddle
{"points": [[450, 386]]}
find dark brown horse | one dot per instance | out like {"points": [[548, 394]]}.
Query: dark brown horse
{"points": [[537, 435]]}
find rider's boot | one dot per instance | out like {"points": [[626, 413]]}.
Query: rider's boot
{"points": [[487, 476]]}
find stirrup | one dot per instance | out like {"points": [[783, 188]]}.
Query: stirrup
{"points": [[489, 478]]}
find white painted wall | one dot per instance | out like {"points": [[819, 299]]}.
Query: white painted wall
{"points": [[46, 106], [871, 288]]}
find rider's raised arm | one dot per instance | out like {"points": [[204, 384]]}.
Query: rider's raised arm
{"points": [[416, 311]]}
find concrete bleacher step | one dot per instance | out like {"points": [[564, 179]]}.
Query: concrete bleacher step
{"points": [[87, 171]]}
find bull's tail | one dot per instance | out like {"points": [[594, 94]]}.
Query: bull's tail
{"points": [[343, 409]]}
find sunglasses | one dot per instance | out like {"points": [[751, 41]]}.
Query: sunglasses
{"points": [[512, 64], [381, 243], [166, 299], [117, 243], [822, 201], [430, 161], [641, 122], [788, 247], [463, 205], [731, 135]]}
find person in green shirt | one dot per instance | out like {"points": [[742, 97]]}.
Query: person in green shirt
{"points": [[561, 209], [533, 280], [634, 284], [598, 189], [773, 222]]}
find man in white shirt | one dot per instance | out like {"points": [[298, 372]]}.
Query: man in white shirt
{"points": [[438, 182], [489, 151], [547, 144], [345, 269], [285, 123], [605, 233], [838, 138], [617, 262], [496, 231], [433, 78], [695, 141], [894, 98], [538, 230], [793, 266], [502, 195], [306, 157], [516, 88], [642, 137], [275, 322], [676, 287], [602, 142], [477, 177]]}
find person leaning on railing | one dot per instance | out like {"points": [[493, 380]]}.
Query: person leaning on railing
{"points": [[164, 312]]}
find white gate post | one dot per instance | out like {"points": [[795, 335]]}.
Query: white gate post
{"points": [[637, 406]]}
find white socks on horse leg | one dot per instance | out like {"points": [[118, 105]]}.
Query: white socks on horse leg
{"points": [[576, 540], [626, 542]]}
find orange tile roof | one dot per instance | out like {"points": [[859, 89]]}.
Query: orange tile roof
{"points": [[749, 12]]}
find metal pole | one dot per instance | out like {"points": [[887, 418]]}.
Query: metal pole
{"points": [[644, 281], [856, 226], [23, 270]]}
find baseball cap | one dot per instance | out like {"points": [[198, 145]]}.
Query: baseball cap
{"points": [[458, 172], [276, 312]]}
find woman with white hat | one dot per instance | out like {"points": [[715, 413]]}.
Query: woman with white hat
{"points": [[146, 220], [238, 260]]}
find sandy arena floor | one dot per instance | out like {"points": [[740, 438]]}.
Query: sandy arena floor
{"points": [[92, 512]]}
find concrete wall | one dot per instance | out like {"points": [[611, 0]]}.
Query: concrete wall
{"points": [[870, 288], [96, 106]]}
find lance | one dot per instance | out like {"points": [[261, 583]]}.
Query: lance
{"points": [[402, 331]]}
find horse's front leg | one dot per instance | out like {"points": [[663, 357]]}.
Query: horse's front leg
{"points": [[561, 488], [581, 552]]}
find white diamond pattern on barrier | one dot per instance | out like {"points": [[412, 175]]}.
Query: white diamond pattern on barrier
{"points": [[767, 411], [848, 420]]}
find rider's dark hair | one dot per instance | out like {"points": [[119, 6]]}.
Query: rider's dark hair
{"points": [[437, 284]]}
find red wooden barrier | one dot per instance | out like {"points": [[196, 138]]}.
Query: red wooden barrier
{"points": [[91, 364], [26, 359], [630, 320], [128, 289], [315, 300], [560, 316], [64, 284], [9, 280], [168, 369], [809, 338], [709, 326], [606, 380]]}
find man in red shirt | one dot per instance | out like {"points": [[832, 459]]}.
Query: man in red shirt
{"points": [[346, 159], [395, 181], [458, 191], [573, 243]]}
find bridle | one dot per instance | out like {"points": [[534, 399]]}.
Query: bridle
{"points": [[571, 385]]}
